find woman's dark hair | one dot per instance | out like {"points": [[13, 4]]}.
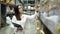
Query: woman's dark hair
{"points": [[17, 12]]}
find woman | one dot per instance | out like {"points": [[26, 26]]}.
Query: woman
{"points": [[20, 18]]}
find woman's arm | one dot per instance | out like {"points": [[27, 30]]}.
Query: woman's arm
{"points": [[36, 12], [32, 16]]}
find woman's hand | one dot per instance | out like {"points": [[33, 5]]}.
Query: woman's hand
{"points": [[19, 28], [37, 8]]}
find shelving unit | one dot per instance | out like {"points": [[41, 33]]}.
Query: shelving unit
{"points": [[45, 5], [29, 5], [3, 11], [4, 5]]}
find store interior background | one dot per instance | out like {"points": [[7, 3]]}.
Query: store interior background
{"points": [[28, 8]]}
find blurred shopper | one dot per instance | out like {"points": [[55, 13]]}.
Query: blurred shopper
{"points": [[20, 18]]}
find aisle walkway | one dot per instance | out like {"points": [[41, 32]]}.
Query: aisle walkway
{"points": [[30, 28]]}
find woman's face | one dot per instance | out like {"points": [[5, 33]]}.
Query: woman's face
{"points": [[20, 9]]}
